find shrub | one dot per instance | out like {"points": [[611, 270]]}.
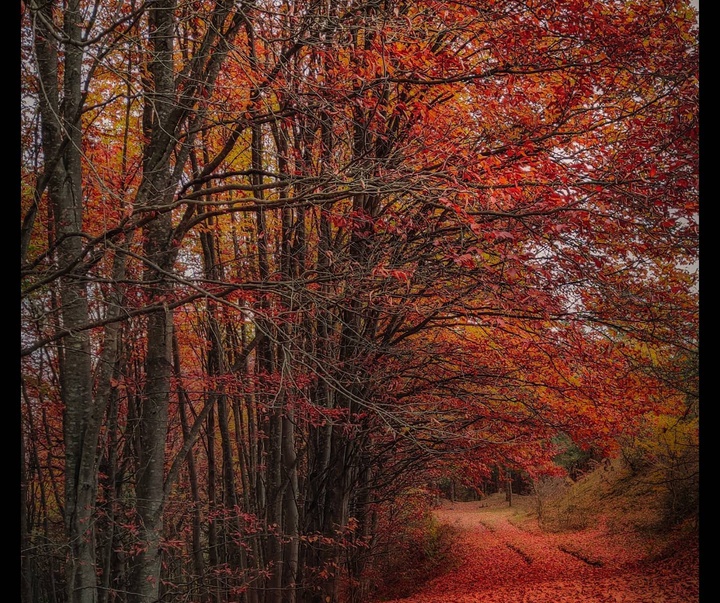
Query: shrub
{"points": [[412, 546]]}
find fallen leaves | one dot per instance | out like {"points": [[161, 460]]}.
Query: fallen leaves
{"points": [[502, 563]]}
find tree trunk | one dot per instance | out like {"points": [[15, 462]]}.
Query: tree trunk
{"points": [[151, 468], [159, 123], [508, 488], [25, 572], [195, 538], [62, 142]]}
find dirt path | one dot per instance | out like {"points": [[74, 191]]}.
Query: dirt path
{"points": [[505, 560]]}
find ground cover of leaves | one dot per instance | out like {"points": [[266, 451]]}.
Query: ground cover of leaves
{"points": [[503, 557]]}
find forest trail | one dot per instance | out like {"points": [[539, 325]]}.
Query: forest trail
{"points": [[503, 557]]}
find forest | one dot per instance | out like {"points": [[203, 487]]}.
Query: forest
{"points": [[285, 264]]}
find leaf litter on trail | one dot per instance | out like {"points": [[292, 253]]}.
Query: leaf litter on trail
{"points": [[500, 562]]}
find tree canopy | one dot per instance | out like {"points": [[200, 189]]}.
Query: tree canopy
{"points": [[281, 260]]}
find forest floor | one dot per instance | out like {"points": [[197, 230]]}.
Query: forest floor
{"points": [[502, 556]]}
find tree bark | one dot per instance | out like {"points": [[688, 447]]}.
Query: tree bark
{"points": [[62, 141]]}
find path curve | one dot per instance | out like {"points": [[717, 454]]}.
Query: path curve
{"points": [[503, 560]]}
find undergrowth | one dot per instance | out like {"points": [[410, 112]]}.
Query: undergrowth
{"points": [[419, 549]]}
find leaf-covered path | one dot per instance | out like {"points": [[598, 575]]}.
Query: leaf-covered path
{"points": [[502, 560]]}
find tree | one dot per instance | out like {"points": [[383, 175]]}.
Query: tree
{"points": [[338, 243]]}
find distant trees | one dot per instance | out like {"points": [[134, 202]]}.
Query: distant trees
{"points": [[282, 260]]}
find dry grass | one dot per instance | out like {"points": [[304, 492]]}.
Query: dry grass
{"points": [[612, 496]]}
